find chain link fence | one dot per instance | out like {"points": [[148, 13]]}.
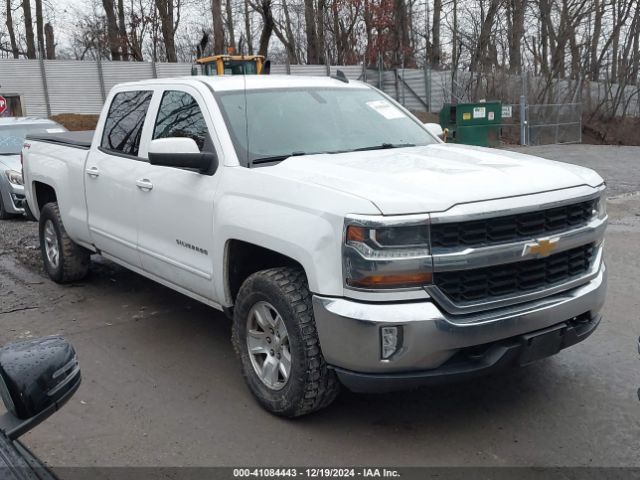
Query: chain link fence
{"points": [[554, 123]]}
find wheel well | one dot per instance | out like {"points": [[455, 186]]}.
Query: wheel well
{"points": [[245, 259], [44, 194]]}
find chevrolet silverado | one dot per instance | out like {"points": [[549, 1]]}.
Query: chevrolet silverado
{"points": [[347, 242]]}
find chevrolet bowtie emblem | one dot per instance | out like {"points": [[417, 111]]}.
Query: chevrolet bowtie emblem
{"points": [[541, 247]]}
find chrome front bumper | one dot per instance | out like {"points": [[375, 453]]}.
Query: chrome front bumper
{"points": [[349, 331]]}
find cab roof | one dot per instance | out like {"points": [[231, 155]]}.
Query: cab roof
{"points": [[254, 82]]}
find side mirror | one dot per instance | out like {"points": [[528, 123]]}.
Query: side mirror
{"points": [[435, 129], [37, 377], [266, 68], [181, 152]]}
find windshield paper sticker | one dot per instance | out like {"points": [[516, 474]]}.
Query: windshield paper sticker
{"points": [[479, 112], [385, 109]]}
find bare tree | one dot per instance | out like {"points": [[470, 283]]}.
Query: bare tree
{"points": [[247, 27], [480, 55], [168, 28], [12, 34], [112, 29], [39, 27], [516, 33], [434, 50], [287, 38], [218, 26], [50, 46], [264, 8], [122, 31], [312, 35], [28, 29], [229, 24]]}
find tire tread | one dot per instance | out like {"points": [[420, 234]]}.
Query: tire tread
{"points": [[321, 385], [74, 259]]}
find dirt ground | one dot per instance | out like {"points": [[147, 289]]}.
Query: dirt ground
{"points": [[161, 385], [76, 122]]}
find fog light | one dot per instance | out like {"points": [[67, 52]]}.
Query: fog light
{"points": [[390, 341]]}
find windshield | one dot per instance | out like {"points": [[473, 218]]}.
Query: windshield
{"points": [[239, 67], [12, 136], [287, 122]]}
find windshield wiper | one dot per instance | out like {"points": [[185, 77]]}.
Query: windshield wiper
{"points": [[277, 158], [384, 146], [9, 153]]}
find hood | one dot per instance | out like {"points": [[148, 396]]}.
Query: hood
{"points": [[435, 177], [10, 162]]}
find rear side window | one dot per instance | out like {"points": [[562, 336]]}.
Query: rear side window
{"points": [[123, 126], [180, 116]]}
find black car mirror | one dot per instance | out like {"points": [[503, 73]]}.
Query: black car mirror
{"points": [[37, 377], [181, 152]]}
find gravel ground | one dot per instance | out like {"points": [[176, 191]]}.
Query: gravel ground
{"points": [[19, 238], [162, 386]]}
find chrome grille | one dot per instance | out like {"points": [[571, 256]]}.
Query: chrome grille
{"points": [[512, 228], [491, 283]]}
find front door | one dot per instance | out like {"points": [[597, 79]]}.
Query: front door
{"points": [[175, 205]]}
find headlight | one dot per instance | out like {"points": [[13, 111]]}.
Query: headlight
{"points": [[600, 209], [14, 177], [386, 257]]}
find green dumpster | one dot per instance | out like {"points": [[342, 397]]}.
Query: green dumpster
{"points": [[472, 123]]}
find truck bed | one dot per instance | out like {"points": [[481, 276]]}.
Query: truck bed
{"points": [[80, 139]]}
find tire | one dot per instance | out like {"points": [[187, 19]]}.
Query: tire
{"points": [[310, 385], [4, 215], [72, 260], [28, 213]]}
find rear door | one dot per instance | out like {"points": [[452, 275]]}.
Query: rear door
{"points": [[175, 205], [111, 172]]}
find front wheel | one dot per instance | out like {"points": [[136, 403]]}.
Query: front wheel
{"points": [[64, 260], [275, 337]]}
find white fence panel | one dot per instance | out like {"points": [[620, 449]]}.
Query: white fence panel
{"points": [[352, 72], [307, 70], [168, 70], [23, 77], [278, 69], [119, 72], [74, 87]]}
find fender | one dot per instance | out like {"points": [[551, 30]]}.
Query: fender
{"points": [[65, 174], [302, 222]]}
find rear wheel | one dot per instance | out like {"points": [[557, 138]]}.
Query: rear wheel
{"points": [[64, 260], [275, 337]]}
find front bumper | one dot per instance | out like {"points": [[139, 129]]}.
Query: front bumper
{"points": [[349, 334], [13, 197]]}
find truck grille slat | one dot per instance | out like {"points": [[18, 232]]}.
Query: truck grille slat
{"points": [[513, 278], [511, 228]]}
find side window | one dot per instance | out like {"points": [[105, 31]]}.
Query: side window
{"points": [[123, 126], [180, 116]]}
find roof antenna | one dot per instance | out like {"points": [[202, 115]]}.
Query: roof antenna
{"points": [[340, 76]]}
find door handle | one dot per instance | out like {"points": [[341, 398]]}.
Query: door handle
{"points": [[93, 172], [144, 184]]}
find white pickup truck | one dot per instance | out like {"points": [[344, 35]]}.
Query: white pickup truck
{"points": [[348, 243]]}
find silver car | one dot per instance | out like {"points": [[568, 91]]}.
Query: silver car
{"points": [[13, 130]]}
